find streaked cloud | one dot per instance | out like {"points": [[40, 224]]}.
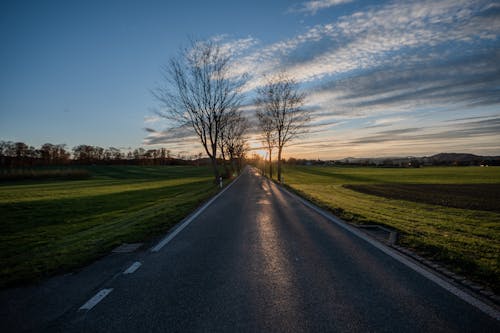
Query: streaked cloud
{"points": [[384, 122], [312, 7], [372, 38], [182, 134], [389, 35], [461, 82], [234, 47], [472, 136], [151, 119], [384, 66]]}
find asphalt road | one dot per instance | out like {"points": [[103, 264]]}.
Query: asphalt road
{"points": [[258, 260]]}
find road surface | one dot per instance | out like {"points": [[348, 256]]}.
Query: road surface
{"points": [[258, 260]]}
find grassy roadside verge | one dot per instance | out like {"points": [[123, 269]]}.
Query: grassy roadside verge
{"points": [[467, 241], [55, 226]]}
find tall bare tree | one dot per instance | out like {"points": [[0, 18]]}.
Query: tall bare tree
{"points": [[233, 141], [268, 135], [281, 108], [200, 90]]}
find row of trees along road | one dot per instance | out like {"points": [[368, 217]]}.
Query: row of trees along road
{"points": [[281, 116], [202, 91]]}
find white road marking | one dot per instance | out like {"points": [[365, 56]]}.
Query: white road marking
{"points": [[405, 261], [132, 268], [96, 299], [264, 202], [189, 219]]}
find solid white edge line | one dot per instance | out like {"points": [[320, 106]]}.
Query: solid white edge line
{"points": [[190, 218], [395, 255], [96, 299], [135, 266]]}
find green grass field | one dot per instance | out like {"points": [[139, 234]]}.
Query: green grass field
{"points": [[448, 214], [53, 226]]}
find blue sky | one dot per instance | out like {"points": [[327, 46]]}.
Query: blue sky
{"points": [[382, 78]]}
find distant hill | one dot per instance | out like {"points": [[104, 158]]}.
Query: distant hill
{"points": [[462, 159], [438, 159], [455, 157]]}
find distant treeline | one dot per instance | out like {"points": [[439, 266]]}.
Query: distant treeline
{"points": [[21, 155], [443, 159]]}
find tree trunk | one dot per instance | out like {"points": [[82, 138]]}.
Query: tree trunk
{"points": [[216, 169], [279, 164], [213, 157], [234, 167], [270, 165], [238, 163], [224, 163]]}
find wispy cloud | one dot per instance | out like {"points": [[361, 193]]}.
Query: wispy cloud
{"points": [[312, 7], [465, 81], [385, 35], [464, 131], [377, 67], [385, 122], [372, 38], [178, 135], [152, 119], [474, 136], [235, 47]]}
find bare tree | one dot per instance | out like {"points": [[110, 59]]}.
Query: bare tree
{"points": [[200, 91], [53, 153], [281, 109], [233, 141], [268, 135], [113, 153], [86, 154]]}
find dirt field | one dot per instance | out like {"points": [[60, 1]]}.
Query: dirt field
{"points": [[466, 196]]}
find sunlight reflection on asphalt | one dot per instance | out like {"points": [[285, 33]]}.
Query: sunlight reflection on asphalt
{"points": [[277, 269]]}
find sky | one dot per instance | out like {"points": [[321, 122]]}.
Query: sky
{"points": [[382, 78]]}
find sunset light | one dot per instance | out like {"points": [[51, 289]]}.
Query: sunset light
{"points": [[383, 79], [249, 166]]}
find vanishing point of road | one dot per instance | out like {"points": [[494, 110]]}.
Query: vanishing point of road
{"points": [[259, 260]]}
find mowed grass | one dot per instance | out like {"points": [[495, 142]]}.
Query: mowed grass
{"points": [[431, 219], [54, 226]]}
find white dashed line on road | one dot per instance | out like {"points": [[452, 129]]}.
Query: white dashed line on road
{"points": [[135, 266], [96, 299]]}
